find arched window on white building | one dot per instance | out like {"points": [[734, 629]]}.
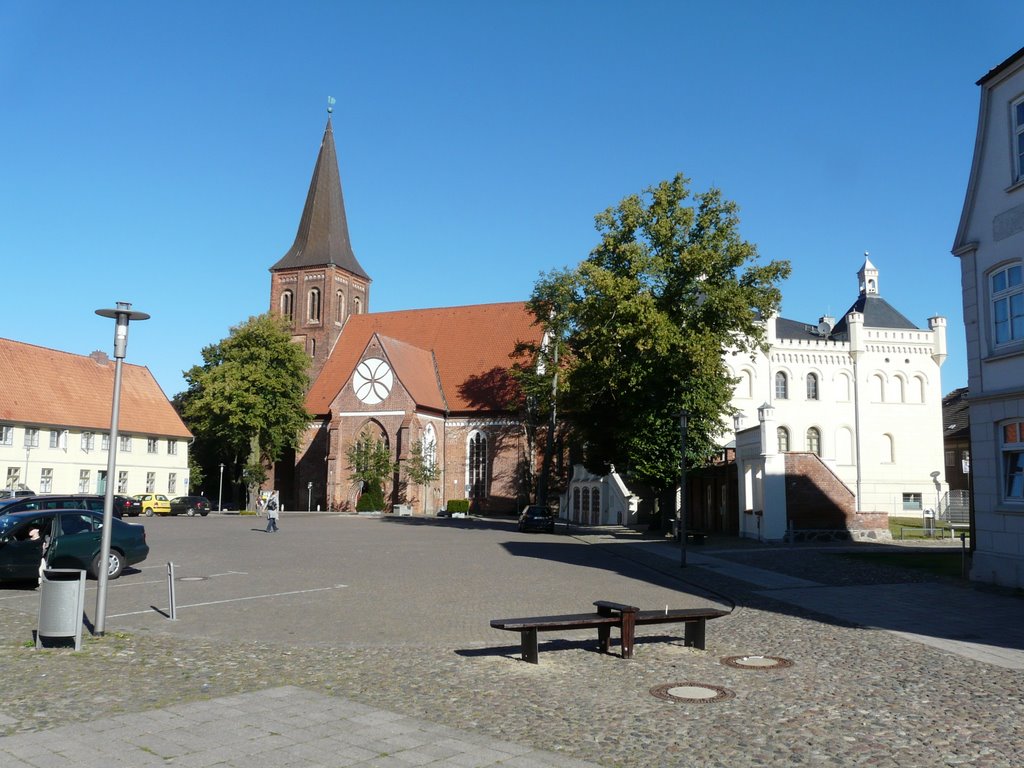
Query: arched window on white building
{"points": [[812, 386], [783, 435], [814, 441], [781, 386]]}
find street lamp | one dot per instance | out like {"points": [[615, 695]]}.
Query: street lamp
{"points": [[121, 315], [684, 418], [220, 488]]}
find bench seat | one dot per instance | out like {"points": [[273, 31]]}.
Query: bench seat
{"points": [[529, 626]]}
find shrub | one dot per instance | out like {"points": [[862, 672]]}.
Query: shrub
{"points": [[372, 500], [458, 505]]}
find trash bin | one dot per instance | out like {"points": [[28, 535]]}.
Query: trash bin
{"points": [[61, 604]]}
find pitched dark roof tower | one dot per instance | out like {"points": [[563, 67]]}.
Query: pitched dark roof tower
{"points": [[322, 238]]}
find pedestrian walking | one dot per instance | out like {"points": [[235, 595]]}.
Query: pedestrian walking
{"points": [[272, 515]]}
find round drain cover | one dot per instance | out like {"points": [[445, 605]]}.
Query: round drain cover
{"points": [[756, 662], [699, 692]]}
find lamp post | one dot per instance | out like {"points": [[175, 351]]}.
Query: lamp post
{"points": [[220, 489], [684, 418], [309, 496], [122, 314]]}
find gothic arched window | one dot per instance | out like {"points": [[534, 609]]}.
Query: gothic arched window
{"points": [[783, 436], [314, 305], [812, 386], [339, 306], [477, 465], [781, 386], [287, 305], [814, 441]]}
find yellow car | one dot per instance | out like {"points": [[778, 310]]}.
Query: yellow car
{"points": [[154, 504]]}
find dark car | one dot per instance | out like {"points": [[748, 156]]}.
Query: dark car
{"points": [[190, 505], [75, 542], [122, 504], [536, 518]]}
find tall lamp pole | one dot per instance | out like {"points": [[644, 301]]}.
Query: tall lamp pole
{"points": [[220, 489], [121, 315], [684, 417]]}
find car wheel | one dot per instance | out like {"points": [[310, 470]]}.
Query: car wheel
{"points": [[115, 565], [191, 513], [149, 512], [204, 514]]}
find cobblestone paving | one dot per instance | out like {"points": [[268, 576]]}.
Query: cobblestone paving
{"points": [[853, 696]]}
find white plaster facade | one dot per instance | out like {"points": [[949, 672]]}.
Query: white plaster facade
{"points": [[51, 459], [863, 393], [990, 245]]}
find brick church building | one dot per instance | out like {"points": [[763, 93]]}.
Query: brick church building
{"points": [[436, 378]]}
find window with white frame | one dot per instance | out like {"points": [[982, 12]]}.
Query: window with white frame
{"points": [[1018, 138], [781, 386], [6, 434], [1008, 304], [101, 481], [13, 477], [150, 482], [122, 481], [88, 441], [172, 482], [124, 443], [46, 480], [104, 442], [151, 445], [1013, 460], [55, 438], [812, 386], [31, 437], [814, 441], [83, 481], [783, 437], [172, 447], [477, 465]]}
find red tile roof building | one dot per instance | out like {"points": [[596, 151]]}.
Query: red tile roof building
{"points": [[55, 420], [437, 377]]}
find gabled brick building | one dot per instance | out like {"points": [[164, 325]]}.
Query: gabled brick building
{"points": [[439, 377]]}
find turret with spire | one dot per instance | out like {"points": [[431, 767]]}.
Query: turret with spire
{"points": [[319, 282]]}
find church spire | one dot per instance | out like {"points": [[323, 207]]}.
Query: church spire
{"points": [[322, 238]]}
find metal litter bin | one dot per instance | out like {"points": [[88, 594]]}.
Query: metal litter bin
{"points": [[61, 604]]}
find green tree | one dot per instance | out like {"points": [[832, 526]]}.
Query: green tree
{"points": [[646, 320], [370, 464], [248, 397], [421, 467]]}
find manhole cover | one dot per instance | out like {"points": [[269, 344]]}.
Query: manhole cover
{"points": [[699, 692], [756, 662]]}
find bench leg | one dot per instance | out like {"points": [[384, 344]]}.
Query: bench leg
{"points": [[604, 636], [694, 636], [628, 633], [530, 652]]}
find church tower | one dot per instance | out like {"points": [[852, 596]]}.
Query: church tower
{"points": [[319, 282]]}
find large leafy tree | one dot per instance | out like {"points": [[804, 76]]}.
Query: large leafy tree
{"points": [[645, 321], [247, 397]]}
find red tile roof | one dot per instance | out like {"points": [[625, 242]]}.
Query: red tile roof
{"points": [[52, 388], [472, 346]]}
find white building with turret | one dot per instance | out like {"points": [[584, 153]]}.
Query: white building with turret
{"points": [[855, 402]]}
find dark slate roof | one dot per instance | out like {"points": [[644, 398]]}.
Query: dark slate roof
{"points": [[322, 238], [878, 313], [794, 329], [955, 419], [1001, 67]]}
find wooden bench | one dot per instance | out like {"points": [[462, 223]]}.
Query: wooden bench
{"points": [[608, 615]]}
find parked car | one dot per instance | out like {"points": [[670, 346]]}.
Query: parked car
{"points": [[21, 490], [154, 504], [75, 542], [536, 518], [58, 501], [190, 505]]}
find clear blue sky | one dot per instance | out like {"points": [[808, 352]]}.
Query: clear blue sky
{"points": [[160, 153]]}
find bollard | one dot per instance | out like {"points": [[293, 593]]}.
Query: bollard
{"points": [[172, 612], [963, 554]]}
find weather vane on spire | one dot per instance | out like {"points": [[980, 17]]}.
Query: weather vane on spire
{"points": [[330, 104]]}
